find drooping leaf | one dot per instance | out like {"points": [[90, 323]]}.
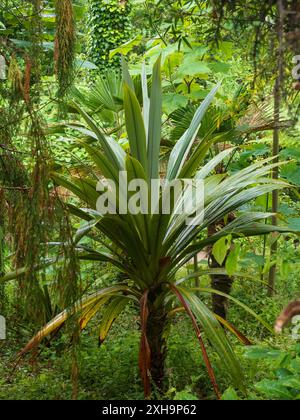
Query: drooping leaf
{"points": [[215, 335], [189, 311], [60, 319], [239, 303], [111, 313]]}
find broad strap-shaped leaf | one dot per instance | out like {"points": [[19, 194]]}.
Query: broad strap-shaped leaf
{"points": [[135, 127], [194, 162], [146, 100], [13, 275], [112, 149], [154, 132], [211, 165], [207, 362], [207, 272], [88, 302], [79, 212], [117, 262], [80, 187], [215, 334], [108, 170], [240, 336], [257, 229], [85, 229], [110, 314], [89, 187], [237, 302], [183, 146], [126, 75], [83, 130], [224, 203], [135, 172], [116, 148], [121, 233], [89, 313]]}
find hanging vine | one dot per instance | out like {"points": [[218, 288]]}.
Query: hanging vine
{"points": [[33, 212]]}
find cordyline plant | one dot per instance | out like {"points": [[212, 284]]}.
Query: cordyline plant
{"points": [[149, 249]]}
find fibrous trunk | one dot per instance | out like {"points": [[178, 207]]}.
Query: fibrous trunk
{"points": [[156, 330], [153, 342], [222, 284]]}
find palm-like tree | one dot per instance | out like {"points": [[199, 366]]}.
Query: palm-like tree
{"points": [[150, 249]]}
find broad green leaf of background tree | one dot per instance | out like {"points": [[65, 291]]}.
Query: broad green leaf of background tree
{"points": [[173, 101], [232, 260], [220, 249]]}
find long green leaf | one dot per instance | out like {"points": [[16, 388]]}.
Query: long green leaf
{"points": [[146, 100], [126, 75], [237, 302], [135, 127], [135, 171], [183, 146], [103, 164], [89, 301], [216, 336], [111, 313], [154, 135], [83, 188], [112, 149]]}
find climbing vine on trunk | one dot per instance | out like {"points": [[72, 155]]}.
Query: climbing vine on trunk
{"points": [[110, 24]]}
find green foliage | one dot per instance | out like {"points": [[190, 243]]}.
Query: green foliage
{"points": [[109, 26], [149, 249], [98, 272], [291, 172], [220, 249], [230, 395], [285, 367], [232, 260]]}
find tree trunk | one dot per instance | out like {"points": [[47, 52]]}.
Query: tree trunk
{"points": [[156, 335], [154, 329], [222, 284]]}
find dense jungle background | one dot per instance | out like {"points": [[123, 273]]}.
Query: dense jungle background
{"points": [[134, 306]]}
